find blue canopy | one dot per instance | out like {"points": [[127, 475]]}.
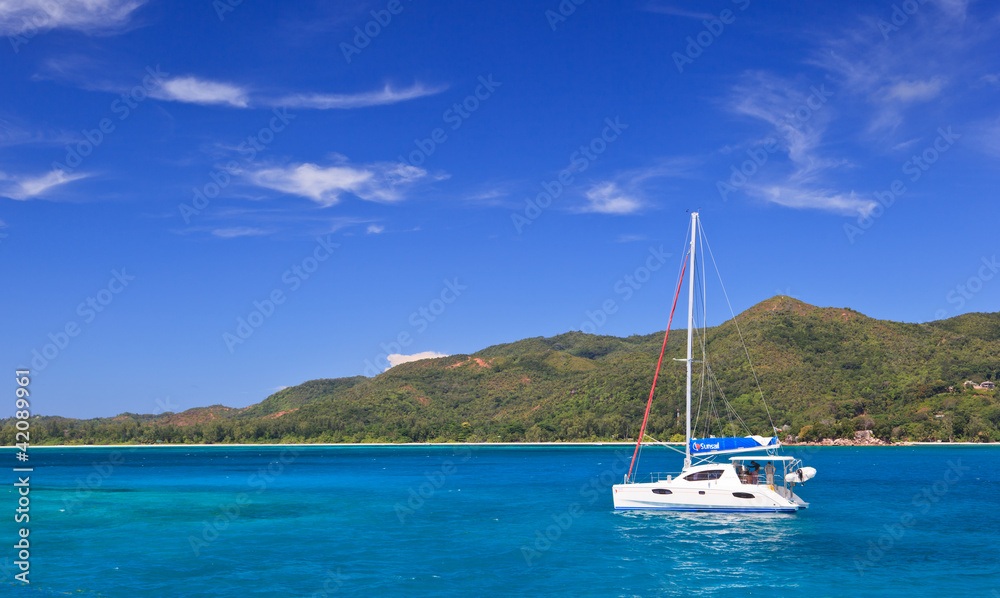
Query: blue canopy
{"points": [[700, 446]]}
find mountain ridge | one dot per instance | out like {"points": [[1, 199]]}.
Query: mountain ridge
{"points": [[826, 371]]}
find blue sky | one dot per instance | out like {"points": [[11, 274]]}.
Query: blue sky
{"points": [[203, 202]]}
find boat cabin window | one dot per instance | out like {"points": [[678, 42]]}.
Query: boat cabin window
{"points": [[701, 476], [661, 491], [742, 495]]}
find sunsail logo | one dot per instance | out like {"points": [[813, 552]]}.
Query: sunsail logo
{"points": [[705, 447]]}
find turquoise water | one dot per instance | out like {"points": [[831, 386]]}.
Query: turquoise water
{"points": [[492, 521]]}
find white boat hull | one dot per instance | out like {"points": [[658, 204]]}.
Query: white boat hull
{"points": [[727, 494]]}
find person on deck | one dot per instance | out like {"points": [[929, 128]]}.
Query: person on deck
{"points": [[756, 468], [769, 472]]}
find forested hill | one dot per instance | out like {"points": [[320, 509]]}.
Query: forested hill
{"points": [[824, 371]]}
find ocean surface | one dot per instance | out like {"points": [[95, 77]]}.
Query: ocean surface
{"points": [[491, 521]]}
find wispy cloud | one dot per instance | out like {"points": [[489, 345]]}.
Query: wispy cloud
{"points": [[333, 101], [774, 100], [14, 132], [88, 16], [914, 91], [630, 238], [895, 73], [22, 187], [797, 116], [396, 359], [86, 73], [375, 229], [801, 196], [608, 198], [195, 90], [238, 231], [200, 91], [666, 9], [626, 192], [379, 182], [987, 136]]}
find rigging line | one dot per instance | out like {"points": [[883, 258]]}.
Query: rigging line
{"points": [[680, 279], [701, 391], [729, 408], [740, 332], [652, 390]]}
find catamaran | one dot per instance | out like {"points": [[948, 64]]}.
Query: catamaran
{"points": [[708, 482]]}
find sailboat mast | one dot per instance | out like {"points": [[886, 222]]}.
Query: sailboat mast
{"points": [[687, 438]]}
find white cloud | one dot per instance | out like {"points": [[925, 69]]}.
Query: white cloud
{"points": [[608, 198], [776, 101], [332, 101], [895, 73], [21, 188], [238, 231], [375, 229], [199, 91], [914, 91], [26, 16], [902, 145], [625, 193], [380, 182], [799, 120], [801, 197], [665, 9], [92, 75], [630, 238], [955, 9], [987, 136], [396, 359]]}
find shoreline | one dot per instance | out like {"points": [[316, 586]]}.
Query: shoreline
{"points": [[477, 444]]}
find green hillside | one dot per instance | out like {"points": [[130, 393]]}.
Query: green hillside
{"points": [[824, 371]]}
